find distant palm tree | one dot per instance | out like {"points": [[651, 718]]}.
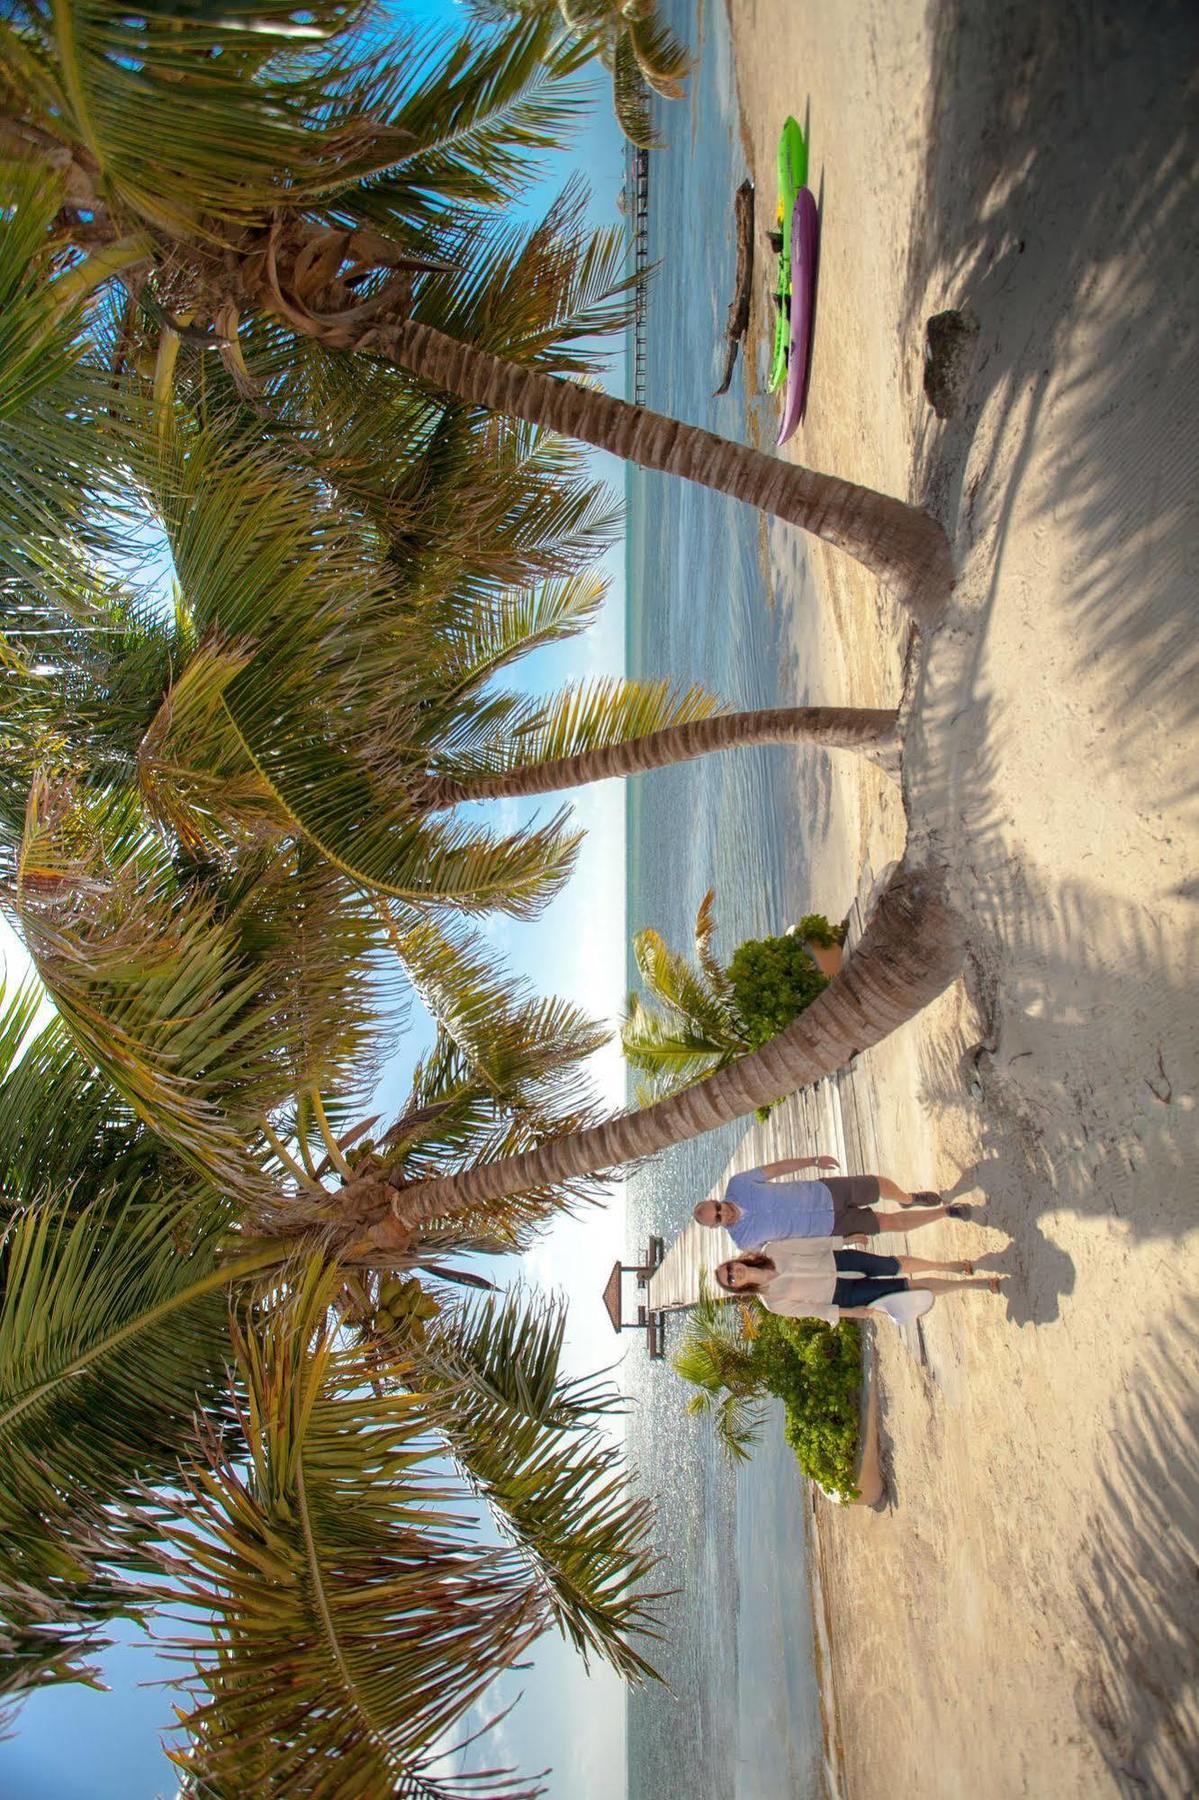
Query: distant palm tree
{"points": [[635, 45], [696, 1017], [687, 1023], [277, 171], [715, 1357]]}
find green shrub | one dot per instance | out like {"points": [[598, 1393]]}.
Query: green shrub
{"points": [[773, 980], [816, 1371], [814, 928]]}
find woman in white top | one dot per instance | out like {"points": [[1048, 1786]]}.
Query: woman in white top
{"points": [[820, 1278]]}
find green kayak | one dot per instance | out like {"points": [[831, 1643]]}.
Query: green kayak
{"points": [[793, 174]]}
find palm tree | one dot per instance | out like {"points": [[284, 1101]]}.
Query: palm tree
{"points": [[911, 950], [267, 168], [700, 1016], [186, 1409], [715, 1357], [687, 1024], [638, 49]]}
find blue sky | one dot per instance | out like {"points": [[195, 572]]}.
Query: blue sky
{"points": [[72, 1742]]}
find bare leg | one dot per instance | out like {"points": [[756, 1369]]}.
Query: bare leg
{"points": [[890, 1190], [919, 1265], [985, 1284], [920, 1215]]}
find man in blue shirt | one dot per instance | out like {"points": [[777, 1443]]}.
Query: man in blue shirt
{"points": [[759, 1207]]}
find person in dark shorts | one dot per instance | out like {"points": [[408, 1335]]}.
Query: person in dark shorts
{"points": [[817, 1278], [758, 1207]]}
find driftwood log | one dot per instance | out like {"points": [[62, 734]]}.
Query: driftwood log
{"points": [[738, 322]]}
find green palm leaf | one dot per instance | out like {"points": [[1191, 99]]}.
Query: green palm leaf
{"points": [[665, 1050], [112, 1334], [152, 984], [714, 1358], [594, 715], [541, 295], [335, 1564], [685, 992], [631, 94], [526, 1437], [705, 952], [67, 1137], [524, 1051], [662, 59]]}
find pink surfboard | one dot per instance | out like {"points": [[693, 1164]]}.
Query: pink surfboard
{"points": [[805, 226]]}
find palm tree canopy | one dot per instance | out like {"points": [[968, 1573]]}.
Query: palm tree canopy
{"points": [[190, 846], [263, 1476], [637, 47], [686, 1024]]}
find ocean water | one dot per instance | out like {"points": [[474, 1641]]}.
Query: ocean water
{"points": [[740, 1720]]}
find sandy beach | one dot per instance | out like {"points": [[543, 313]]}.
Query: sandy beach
{"points": [[1021, 1616]]}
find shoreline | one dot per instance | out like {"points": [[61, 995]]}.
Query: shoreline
{"points": [[1042, 1520]]}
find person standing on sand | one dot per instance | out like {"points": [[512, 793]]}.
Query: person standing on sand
{"points": [[819, 1278], [758, 1208]]}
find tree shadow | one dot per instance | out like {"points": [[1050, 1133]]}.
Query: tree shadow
{"points": [[1059, 207], [1139, 1582], [1081, 1085]]}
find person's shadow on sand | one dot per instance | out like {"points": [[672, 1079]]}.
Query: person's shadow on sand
{"points": [[1039, 1272]]}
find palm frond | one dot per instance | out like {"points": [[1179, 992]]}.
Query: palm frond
{"points": [[631, 96], [336, 1559], [705, 953], [187, 116], [53, 460], [475, 113], [593, 715], [112, 1334], [670, 1054], [520, 621], [714, 1358], [45, 1640], [672, 982], [67, 1138], [662, 59], [522, 1050], [543, 295], [155, 988], [526, 1437]]}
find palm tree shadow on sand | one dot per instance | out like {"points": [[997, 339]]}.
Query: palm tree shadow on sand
{"points": [[1060, 204], [1139, 1579]]}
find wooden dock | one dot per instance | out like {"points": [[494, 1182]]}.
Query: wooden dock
{"points": [[636, 209], [696, 1251]]}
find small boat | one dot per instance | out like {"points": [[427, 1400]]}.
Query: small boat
{"points": [[793, 175], [804, 238]]}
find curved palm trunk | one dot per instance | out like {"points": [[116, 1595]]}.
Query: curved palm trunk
{"points": [[911, 951], [900, 544], [871, 730]]}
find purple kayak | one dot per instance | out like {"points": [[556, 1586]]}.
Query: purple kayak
{"points": [[805, 226]]}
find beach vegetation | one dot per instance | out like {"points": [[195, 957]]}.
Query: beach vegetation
{"points": [[738, 1356], [698, 1015]]}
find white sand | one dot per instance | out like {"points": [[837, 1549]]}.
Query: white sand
{"points": [[1024, 1618]]}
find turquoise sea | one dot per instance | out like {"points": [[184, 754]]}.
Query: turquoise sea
{"points": [[740, 1720]]}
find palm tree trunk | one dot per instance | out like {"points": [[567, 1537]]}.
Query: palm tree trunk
{"points": [[900, 544], [911, 951], [871, 730]]}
